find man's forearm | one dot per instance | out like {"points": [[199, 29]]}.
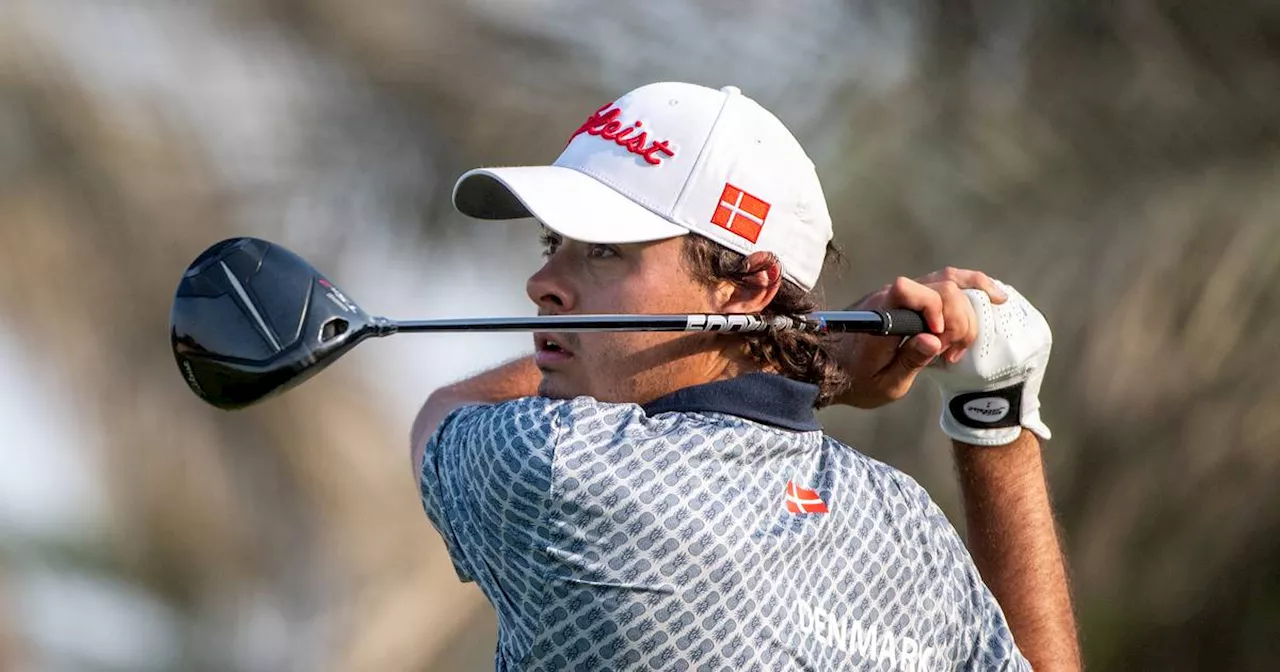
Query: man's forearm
{"points": [[512, 380], [515, 379], [1014, 542]]}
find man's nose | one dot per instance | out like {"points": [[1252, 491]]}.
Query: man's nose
{"points": [[550, 289]]}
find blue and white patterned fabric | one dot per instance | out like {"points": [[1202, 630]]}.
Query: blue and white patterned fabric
{"points": [[621, 537]]}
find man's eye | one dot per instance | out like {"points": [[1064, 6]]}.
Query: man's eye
{"points": [[549, 245], [601, 252]]}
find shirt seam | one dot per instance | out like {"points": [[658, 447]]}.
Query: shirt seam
{"points": [[545, 520], [454, 546]]}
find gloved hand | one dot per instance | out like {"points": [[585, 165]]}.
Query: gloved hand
{"points": [[994, 390]]}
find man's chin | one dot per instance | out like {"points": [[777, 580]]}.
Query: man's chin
{"points": [[552, 388]]}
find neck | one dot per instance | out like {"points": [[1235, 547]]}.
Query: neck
{"points": [[687, 369], [734, 362], [735, 368]]}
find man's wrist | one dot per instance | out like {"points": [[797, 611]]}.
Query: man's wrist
{"points": [[993, 417]]}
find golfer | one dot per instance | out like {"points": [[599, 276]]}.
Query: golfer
{"points": [[669, 501]]}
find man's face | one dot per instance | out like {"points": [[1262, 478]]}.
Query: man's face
{"points": [[586, 278]]}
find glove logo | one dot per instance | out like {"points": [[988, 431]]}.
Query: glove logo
{"points": [[987, 409], [991, 409]]}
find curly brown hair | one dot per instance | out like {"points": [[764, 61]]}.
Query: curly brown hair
{"points": [[801, 356]]}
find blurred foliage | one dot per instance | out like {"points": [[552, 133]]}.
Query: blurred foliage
{"points": [[1115, 161]]}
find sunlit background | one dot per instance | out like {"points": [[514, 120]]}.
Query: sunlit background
{"points": [[1117, 162]]}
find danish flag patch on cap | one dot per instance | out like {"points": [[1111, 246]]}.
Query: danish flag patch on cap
{"points": [[740, 212], [804, 500]]}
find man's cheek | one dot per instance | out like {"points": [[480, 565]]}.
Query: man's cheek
{"points": [[601, 346], [606, 355]]}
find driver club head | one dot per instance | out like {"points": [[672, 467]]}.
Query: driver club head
{"points": [[250, 319]]}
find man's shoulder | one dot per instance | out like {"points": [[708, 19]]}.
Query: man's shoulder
{"points": [[538, 411], [536, 422], [885, 485], [873, 468]]}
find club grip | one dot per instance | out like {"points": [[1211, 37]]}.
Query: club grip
{"points": [[901, 322]]}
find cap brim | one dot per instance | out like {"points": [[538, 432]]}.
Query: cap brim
{"points": [[571, 203]]}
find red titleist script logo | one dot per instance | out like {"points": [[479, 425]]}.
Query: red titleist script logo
{"points": [[740, 212], [604, 123]]}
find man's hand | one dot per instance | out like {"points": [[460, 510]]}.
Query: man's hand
{"points": [[883, 369], [989, 395]]}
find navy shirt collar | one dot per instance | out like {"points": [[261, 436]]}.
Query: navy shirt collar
{"points": [[766, 398]]}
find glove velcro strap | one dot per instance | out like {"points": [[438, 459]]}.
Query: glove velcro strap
{"points": [[992, 409]]}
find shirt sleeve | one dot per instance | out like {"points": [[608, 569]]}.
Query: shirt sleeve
{"points": [[991, 646], [987, 643], [485, 481], [995, 648]]}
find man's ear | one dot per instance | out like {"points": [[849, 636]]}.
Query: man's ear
{"points": [[757, 289]]}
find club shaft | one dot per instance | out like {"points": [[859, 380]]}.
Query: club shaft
{"points": [[866, 321]]}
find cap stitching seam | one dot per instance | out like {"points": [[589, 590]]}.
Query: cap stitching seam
{"points": [[697, 162]]}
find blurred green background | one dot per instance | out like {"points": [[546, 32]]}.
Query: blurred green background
{"points": [[1119, 162]]}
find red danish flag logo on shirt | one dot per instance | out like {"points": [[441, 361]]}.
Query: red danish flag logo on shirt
{"points": [[740, 212], [804, 500]]}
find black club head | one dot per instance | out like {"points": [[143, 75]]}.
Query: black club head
{"points": [[251, 319]]}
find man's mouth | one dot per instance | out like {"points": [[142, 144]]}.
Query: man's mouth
{"points": [[550, 350]]}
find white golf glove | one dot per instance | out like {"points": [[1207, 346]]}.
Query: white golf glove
{"points": [[994, 390]]}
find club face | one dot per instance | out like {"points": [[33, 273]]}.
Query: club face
{"points": [[250, 319]]}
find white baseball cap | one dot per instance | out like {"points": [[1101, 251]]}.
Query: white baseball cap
{"points": [[665, 160]]}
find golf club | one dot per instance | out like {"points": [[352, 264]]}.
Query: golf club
{"points": [[251, 319]]}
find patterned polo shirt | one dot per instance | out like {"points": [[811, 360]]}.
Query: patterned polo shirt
{"points": [[717, 528]]}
